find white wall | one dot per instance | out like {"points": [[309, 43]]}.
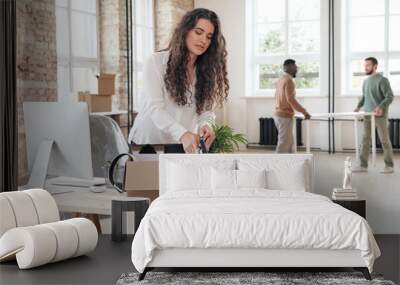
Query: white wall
{"points": [[231, 14]]}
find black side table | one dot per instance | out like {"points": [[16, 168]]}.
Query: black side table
{"points": [[138, 205], [357, 206]]}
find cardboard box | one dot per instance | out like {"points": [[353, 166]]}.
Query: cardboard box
{"points": [[106, 84], [96, 103], [142, 179]]}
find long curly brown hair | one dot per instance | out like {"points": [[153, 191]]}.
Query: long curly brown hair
{"points": [[212, 85]]}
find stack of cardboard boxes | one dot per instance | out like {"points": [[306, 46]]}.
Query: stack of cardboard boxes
{"points": [[101, 102]]}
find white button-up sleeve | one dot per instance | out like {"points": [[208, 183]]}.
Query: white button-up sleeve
{"points": [[154, 101], [206, 118]]}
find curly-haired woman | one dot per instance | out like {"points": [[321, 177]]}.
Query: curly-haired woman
{"points": [[182, 86]]}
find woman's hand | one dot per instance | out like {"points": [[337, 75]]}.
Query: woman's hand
{"points": [[208, 135], [190, 142]]}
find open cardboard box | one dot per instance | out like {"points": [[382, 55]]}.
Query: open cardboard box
{"points": [[106, 84], [141, 179], [96, 103]]}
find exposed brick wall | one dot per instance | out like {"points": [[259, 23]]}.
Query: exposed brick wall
{"points": [[123, 79], [113, 55], [109, 40], [112, 27], [36, 63], [167, 14]]}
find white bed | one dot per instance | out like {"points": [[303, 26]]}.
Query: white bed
{"points": [[213, 211]]}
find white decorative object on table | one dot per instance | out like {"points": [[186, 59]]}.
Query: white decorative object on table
{"points": [[346, 192], [347, 174]]}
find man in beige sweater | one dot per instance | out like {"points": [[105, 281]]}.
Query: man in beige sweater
{"points": [[286, 104]]}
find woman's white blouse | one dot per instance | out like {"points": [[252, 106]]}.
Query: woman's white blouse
{"points": [[160, 120]]}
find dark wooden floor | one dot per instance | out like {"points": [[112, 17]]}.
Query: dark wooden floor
{"points": [[110, 260], [102, 266]]}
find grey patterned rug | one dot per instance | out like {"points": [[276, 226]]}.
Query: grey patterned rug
{"points": [[243, 278]]}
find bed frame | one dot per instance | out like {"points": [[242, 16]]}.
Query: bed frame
{"points": [[242, 259], [246, 259]]}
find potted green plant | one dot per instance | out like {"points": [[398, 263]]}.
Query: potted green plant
{"points": [[226, 139]]}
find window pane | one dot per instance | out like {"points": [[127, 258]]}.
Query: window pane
{"points": [[144, 44], [140, 82], [140, 15], [143, 10], [149, 13], [62, 3], [307, 76], [357, 74], [394, 6], [373, 40], [63, 82], [271, 38], [367, 7], [140, 44], [304, 10], [84, 79], [394, 74], [62, 33], [84, 6], [304, 37], [269, 75], [394, 38], [138, 92], [270, 11], [84, 35]]}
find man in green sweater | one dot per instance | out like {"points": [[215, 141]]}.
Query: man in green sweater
{"points": [[376, 97]]}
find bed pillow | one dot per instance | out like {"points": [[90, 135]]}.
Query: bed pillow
{"points": [[251, 178], [227, 179], [294, 179], [223, 179], [291, 175], [183, 177], [186, 174]]}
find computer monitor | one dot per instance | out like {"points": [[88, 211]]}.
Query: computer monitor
{"points": [[57, 140]]}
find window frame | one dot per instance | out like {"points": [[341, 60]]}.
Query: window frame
{"points": [[70, 61], [254, 58], [138, 66], [386, 55]]}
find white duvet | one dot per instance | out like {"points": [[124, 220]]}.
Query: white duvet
{"points": [[250, 219]]}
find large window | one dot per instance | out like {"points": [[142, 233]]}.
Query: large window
{"points": [[287, 29], [143, 38], [77, 46], [370, 28]]}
